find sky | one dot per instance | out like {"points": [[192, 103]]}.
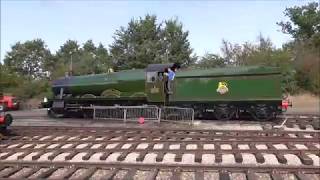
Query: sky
{"points": [[208, 22]]}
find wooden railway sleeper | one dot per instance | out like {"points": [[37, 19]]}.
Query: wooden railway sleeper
{"points": [[105, 155], [111, 174], [11, 172], [24, 154], [3, 157], [153, 174], [54, 155], [71, 155], [218, 157], [276, 175], [251, 175], [301, 176], [47, 173], [198, 157], [123, 156], [88, 173], [141, 156], [311, 146], [281, 158], [259, 158], [305, 159], [28, 173], [178, 157], [176, 174], [130, 174], [224, 175], [88, 155], [199, 175], [238, 157], [38, 155], [69, 173]]}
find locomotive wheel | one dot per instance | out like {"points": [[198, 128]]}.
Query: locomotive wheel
{"points": [[262, 112], [88, 96], [52, 114], [224, 112]]}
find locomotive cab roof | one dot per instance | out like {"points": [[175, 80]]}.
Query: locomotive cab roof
{"points": [[158, 67]]}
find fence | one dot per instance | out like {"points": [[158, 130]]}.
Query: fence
{"points": [[127, 113], [149, 113], [170, 113]]}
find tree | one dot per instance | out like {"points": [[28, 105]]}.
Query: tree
{"points": [[30, 59], [261, 53], [304, 21], [138, 44], [304, 27], [103, 61], [68, 52], [8, 79], [87, 62], [176, 43], [211, 61], [94, 60], [145, 42]]}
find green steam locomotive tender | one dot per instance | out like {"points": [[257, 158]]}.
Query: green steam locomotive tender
{"points": [[221, 93]]}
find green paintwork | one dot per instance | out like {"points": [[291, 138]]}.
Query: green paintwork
{"points": [[240, 88], [199, 85], [155, 91], [129, 83], [228, 71], [244, 84]]}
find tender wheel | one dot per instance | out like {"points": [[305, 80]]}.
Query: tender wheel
{"points": [[52, 114], [262, 112], [224, 112]]}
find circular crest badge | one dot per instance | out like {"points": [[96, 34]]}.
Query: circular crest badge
{"points": [[222, 88]]}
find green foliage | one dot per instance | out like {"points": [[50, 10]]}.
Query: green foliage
{"points": [[29, 59], [262, 53], [31, 89], [211, 61], [176, 43], [68, 58], [145, 42], [137, 45], [304, 27], [8, 78], [307, 65], [87, 59], [304, 21]]}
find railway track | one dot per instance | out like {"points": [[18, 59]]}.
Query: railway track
{"points": [[157, 152], [302, 122], [152, 171]]}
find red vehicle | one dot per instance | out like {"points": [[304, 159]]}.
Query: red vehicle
{"points": [[9, 102]]}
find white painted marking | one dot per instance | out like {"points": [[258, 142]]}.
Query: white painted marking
{"points": [[228, 159], [208, 146], [150, 158], [188, 159], [281, 125], [292, 160], [174, 146], [208, 159], [243, 146], [142, 146]]}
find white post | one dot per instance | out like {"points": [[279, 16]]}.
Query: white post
{"points": [[159, 115], [94, 112], [125, 115]]}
